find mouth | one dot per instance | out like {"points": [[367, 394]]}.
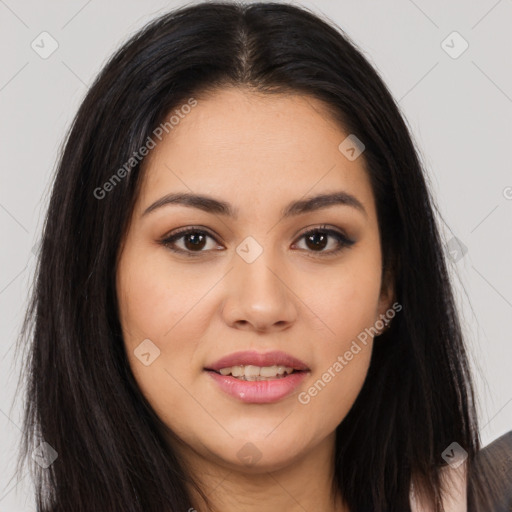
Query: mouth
{"points": [[251, 365], [254, 373], [253, 377]]}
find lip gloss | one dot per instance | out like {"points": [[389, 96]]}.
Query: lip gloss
{"points": [[258, 392]]}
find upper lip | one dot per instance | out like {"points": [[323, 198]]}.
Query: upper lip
{"points": [[274, 358]]}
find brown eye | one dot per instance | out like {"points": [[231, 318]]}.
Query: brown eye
{"points": [[193, 241], [317, 240]]}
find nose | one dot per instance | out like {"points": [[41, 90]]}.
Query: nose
{"points": [[258, 296]]}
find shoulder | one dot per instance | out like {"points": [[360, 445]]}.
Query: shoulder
{"points": [[489, 482], [492, 473], [500, 450]]}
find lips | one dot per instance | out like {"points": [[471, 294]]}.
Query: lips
{"points": [[274, 358], [269, 390], [263, 392]]}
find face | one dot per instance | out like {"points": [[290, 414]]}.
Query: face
{"points": [[255, 286]]}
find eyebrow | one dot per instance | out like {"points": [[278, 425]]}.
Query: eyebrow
{"points": [[211, 205]]}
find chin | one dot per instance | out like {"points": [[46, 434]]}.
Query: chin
{"points": [[253, 454]]}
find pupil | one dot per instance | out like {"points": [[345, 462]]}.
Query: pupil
{"points": [[317, 243], [192, 241]]}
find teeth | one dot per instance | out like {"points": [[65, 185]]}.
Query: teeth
{"points": [[252, 373], [269, 371]]}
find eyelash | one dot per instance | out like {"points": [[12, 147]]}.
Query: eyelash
{"points": [[342, 240]]}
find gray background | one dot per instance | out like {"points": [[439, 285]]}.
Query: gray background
{"points": [[459, 109]]}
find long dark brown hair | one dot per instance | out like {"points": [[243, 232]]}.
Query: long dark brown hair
{"points": [[81, 397]]}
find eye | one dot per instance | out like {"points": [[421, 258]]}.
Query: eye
{"points": [[195, 241], [318, 239]]}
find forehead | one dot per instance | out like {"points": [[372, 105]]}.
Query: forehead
{"points": [[252, 148]]}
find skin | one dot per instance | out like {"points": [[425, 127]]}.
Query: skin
{"points": [[257, 152]]}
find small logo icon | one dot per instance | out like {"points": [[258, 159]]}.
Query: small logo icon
{"points": [[44, 45], [147, 352], [351, 147], [249, 249], [455, 249], [455, 455], [44, 455], [454, 45], [249, 454]]}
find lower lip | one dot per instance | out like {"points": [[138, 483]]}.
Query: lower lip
{"points": [[259, 392]]}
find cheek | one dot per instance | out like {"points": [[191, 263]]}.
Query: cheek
{"points": [[347, 306], [343, 356], [330, 395], [149, 295], [348, 300], [153, 308]]}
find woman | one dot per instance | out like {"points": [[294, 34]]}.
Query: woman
{"points": [[239, 200]]}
